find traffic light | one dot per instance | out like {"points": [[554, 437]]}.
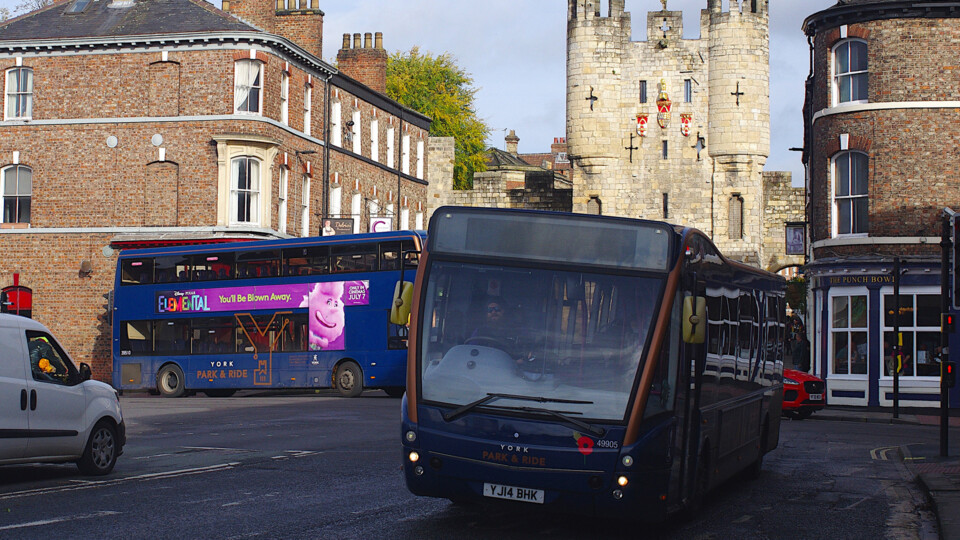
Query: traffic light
{"points": [[949, 374]]}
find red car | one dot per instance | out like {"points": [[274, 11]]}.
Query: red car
{"points": [[802, 394]]}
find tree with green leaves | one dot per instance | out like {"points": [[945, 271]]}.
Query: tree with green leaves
{"points": [[436, 87]]}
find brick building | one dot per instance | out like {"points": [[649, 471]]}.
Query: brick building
{"points": [[130, 124], [882, 125]]}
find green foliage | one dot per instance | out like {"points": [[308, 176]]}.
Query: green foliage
{"points": [[436, 87], [797, 294]]}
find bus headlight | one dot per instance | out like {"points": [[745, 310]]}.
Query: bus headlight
{"points": [[617, 494], [627, 461], [410, 436], [622, 481], [414, 457]]}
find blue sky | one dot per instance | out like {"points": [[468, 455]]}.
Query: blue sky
{"points": [[515, 51]]}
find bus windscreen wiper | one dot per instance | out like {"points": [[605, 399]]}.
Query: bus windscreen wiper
{"points": [[460, 411], [593, 430]]}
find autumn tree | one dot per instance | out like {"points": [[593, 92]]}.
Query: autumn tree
{"points": [[436, 87]]}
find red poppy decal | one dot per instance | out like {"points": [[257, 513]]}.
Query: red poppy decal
{"points": [[585, 445]]}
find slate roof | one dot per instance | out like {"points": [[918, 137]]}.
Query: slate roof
{"points": [[854, 11], [499, 159], [140, 17]]}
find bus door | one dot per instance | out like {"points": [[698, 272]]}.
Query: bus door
{"points": [[693, 359]]}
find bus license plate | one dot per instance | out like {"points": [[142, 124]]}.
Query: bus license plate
{"points": [[513, 493], [816, 397]]}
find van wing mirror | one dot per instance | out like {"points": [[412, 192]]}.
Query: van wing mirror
{"points": [[85, 373], [402, 299], [694, 319]]}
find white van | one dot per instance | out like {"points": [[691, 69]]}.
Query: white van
{"points": [[50, 411]]}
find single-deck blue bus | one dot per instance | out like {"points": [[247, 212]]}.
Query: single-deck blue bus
{"points": [[294, 313], [592, 364]]}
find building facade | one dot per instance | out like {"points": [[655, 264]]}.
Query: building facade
{"points": [[669, 128], [882, 121], [131, 124], [673, 128]]}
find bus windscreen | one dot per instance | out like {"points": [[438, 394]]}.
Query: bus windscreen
{"points": [[552, 238]]}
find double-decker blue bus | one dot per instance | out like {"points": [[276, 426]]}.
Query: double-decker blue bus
{"points": [[592, 364], [295, 313]]}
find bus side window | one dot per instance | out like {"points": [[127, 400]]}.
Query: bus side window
{"points": [[136, 272], [390, 256], [354, 258], [307, 261]]}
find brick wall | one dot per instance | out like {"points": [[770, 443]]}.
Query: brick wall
{"points": [[367, 64], [81, 182], [913, 162]]}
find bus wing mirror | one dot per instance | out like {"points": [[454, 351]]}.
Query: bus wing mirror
{"points": [[694, 319], [402, 298]]}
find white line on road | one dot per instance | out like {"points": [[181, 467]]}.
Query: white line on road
{"points": [[92, 484], [57, 520]]}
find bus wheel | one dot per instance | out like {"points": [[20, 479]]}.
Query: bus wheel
{"points": [[219, 393], [170, 381], [349, 380], [395, 391]]}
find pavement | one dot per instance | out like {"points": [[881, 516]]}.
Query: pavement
{"points": [[939, 476]]}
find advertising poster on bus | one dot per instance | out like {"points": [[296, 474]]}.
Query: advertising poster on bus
{"points": [[325, 303]]}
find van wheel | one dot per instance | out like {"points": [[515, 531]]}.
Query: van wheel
{"points": [[100, 454], [170, 381], [349, 379], [755, 468]]}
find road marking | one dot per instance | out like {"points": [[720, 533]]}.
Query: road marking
{"points": [[297, 454], [98, 483], [216, 448], [57, 520], [153, 456], [881, 453]]}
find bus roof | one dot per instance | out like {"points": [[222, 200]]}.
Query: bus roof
{"points": [[275, 244]]}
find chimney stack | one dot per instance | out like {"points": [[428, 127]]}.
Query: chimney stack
{"points": [[300, 21], [366, 61], [512, 141]]}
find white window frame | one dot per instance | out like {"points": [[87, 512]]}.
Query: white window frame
{"points": [[355, 211], [404, 219], [847, 293], [405, 154], [391, 147], [307, 107], [305, 206], [282, 200], [255, 173], [285, 98], [418, 220], [839, 78], [913, 328], [850, 198], [19, 97], [336, 114], [355, 133], [420, 159], [374, 140], [336, 198], [16, 192], [246, 84]]}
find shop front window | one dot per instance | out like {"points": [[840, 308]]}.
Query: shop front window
{"points": [[919, 322], [848, 348]]}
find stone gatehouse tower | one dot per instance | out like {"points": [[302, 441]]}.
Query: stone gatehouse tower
{"points": [[672, 128]]}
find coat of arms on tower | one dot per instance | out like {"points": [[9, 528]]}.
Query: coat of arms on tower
{"points": [[642, 120], [685, 124], [663, 106]]}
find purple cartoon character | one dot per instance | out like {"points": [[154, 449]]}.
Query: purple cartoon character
{"points": [[325, 303]]}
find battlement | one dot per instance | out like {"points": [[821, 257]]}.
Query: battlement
{"points": [[759, 7], [591, 9]]}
